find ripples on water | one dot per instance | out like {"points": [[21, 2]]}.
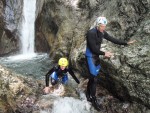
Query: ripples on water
{"points": [[35, 65]]}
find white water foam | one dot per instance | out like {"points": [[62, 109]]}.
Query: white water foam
{"points": [[70, 105]]}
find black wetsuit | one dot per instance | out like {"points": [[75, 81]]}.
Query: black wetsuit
{"points": [[56, 73], [94, 40]]}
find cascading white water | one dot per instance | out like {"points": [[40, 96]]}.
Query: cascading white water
{"points": [[28, 27]]}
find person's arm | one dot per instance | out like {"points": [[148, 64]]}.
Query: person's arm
{"points": [[131, 42], [73, 75], [114, 40], [92, 44], [47, 76]]}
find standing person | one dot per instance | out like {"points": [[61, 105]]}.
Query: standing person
{"points": [[59, 73], [94, 39]]}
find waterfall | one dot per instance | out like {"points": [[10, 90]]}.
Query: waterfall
{"points": [[28, 27]]}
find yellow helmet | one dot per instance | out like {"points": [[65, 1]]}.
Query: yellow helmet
{"points": [[63, 62]]}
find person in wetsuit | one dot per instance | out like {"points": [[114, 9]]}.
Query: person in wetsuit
{"points": [[94, 38], [59, 73]]}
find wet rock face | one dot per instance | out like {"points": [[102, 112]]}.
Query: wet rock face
{"points": [[1, 18], [131, 67], [63, 26], [1, 21], [17, 93], [10, 20], [65, 23]]}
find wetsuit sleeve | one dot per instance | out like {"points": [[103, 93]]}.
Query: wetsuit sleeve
{"points": [[115, 41], [73, 75], [92, 44], [47, 76]]}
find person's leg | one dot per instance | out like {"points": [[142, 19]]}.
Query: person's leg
{"points": [[93, 70], [54, 78], [65, 79], [93, 85], [91, 88], [94, 67], [92, 97], [88, 92]]}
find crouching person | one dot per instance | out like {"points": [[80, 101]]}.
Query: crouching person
{"points": [[59, 73]]}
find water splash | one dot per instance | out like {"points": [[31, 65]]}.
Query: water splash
{"points": [[58, 91], [53, 103], [70, 105], [21, 57]]}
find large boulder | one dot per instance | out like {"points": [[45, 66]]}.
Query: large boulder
{"points": [[10, 18], [17, 93]]}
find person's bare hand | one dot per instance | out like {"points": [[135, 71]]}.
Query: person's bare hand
{"points": [[46, 89], [131, 41], [108, 54]]}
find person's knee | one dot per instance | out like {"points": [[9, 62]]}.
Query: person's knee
{"points": [[53, 82], [93, 77], [65, 79]]}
